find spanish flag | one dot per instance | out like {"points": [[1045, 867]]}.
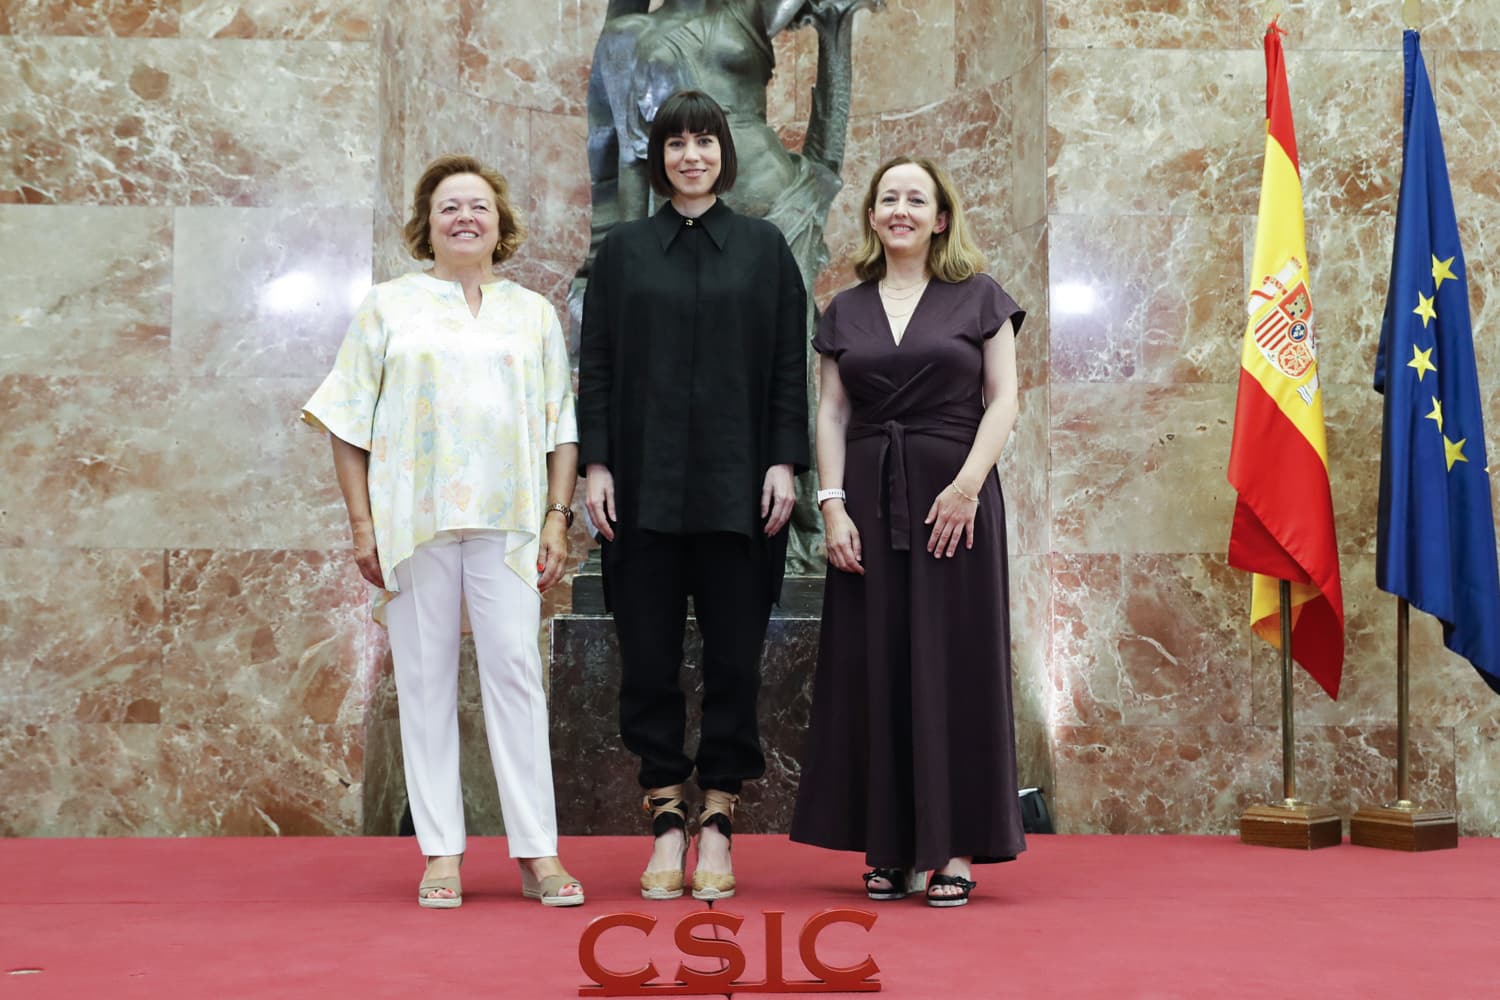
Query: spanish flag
{"points": [[1278, 462]]}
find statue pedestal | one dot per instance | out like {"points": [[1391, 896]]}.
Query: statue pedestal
{"points": [[595, 776]]}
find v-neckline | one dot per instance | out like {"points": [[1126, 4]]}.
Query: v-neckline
{"points": [[890, 331]]}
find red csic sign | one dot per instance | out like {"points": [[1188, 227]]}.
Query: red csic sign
{"points": [[693, 982]]}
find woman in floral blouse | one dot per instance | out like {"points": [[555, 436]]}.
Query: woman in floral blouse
{"points": [[450, 409]]}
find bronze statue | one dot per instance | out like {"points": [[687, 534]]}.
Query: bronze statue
{"points": [[723, 47]]}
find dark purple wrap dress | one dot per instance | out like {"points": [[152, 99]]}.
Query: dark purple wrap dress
{"points": [[911, 749]]}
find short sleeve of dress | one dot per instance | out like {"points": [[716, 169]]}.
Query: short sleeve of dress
{"points": [[996, 307], [344, 405], [557, 377], [825, 341]]}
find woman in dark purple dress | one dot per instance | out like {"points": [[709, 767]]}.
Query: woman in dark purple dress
{"points": [[911, 755]]}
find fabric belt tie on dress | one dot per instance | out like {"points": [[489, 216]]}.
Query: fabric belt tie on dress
{"points": [[893, 494]]}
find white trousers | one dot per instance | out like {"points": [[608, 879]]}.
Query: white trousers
{"points": [[423, 620]]}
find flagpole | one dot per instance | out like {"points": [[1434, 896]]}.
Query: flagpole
{"points": [[1288, 716], [1403, 704], [1401, 826], [1290, 823]]}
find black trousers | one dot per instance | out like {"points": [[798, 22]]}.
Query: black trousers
{"points": [[726, 575]]}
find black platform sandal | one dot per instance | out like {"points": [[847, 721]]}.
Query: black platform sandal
{"points": [[960, 899], [898, 882]]}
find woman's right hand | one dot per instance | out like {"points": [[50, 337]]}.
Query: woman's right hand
{"points": [[365, 556], [842, 538], [599, 498]]}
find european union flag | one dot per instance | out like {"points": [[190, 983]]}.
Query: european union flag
{"points": [[1436, 544]]}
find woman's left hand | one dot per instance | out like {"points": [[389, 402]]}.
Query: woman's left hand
{"points": [[952, 517], [552, 554], [777, 497]]}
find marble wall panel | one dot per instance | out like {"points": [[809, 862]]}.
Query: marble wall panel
{"points": [[94, 18], [108, 310], [1028, 130], [1034, 756], [1179, 24], [1193, 148], [1477, 752], [1199, 779], [970, 136], [560, 187], [1023, 477], [1030, 637], [156, 463], [80, 636], [1350, 275], [264, 637], [255, 779], [1085, 663], [1466, 82], [1020, 263], [1150, 640], [531, 55], [916, 35], [148, 122], [1159, 779], [1154, 482], [1146, 298], [1347, 110], [328, 20], [81, 779], [266, 291], [993, 41], [1371, 24]]}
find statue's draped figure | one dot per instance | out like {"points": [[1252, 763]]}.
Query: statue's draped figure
{"points": [[723, 47]]}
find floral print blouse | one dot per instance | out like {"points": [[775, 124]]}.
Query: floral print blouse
{"points": [[457, 411]]}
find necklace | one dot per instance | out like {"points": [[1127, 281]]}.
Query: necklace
{"points": [[892, 314], [889, 291]]}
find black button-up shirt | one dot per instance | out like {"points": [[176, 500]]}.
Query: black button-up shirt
{"points": [[691, 377]]}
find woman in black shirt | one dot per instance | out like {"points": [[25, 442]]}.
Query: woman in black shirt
{"points": [[692, 414]]}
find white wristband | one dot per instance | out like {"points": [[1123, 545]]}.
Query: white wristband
{"points": [[825, 495]]}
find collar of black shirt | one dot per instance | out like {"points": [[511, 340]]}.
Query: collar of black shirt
{"points": [[668, 222]]}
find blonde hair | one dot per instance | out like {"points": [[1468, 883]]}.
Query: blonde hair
{"points": [[952, 255], [417, 231]]}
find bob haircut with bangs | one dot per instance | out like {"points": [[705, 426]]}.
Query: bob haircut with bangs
{"points": [[417, 232], [696, 112], [952, 255]]}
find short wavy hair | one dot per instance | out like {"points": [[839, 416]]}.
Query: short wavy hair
{"points": [[952, 255], [417, 231], [689, 111]]}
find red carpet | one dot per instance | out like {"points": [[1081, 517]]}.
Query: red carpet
{"points": [[1118, 917]]}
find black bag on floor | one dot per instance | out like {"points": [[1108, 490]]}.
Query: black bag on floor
{"points": [[1034, 815]]}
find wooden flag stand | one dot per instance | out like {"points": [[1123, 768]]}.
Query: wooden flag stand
{"points": [[1290, 823], [1401, 826]]}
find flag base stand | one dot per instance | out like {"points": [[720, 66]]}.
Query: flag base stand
{"points": [[1404, 827], [1291, 824]]}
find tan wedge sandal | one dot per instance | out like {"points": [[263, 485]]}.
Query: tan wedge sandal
{"points": [[549, 888], [449, 882], [718, 811], [665, 807]]}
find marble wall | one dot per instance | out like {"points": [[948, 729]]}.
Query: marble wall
{"points": [[183, 641], [186, 198]]}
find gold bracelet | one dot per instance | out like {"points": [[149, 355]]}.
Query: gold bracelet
{"points": [[955, 489]]}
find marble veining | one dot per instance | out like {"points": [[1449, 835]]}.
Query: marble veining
{"points": [[108, 311]]}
